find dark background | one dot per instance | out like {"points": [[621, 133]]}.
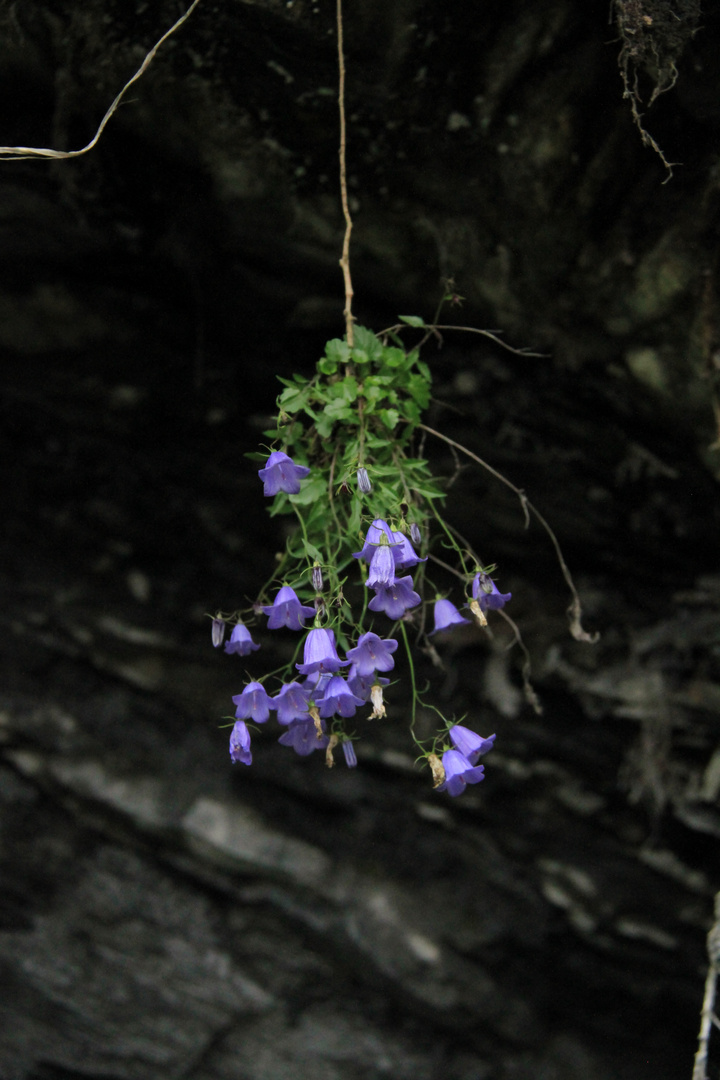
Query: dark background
{"points": [[163, 915]]}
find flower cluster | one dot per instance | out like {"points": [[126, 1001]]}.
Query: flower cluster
{"points": [[353, 425]]}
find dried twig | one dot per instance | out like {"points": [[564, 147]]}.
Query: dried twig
{"points": [[19, 153], [707, 1016], [345, 260]]}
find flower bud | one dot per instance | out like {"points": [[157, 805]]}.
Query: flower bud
{"points": [[317, 577], [363, 481], [218, 631], [415, 534]]}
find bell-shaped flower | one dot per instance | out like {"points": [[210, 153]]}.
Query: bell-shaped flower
{"points": [[320, 653], [303, 737], [470, 745], [282, 474], [253, 704], [395, 599], [240, 744], [378, 529], [240, 641], [446, 615], [361, 685], [404, 553], [286, 610], [382, 567], [486, 592], [372, 653], [292, 703], [459, 772], [338, 698]]}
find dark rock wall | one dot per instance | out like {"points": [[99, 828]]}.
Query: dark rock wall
{"points": [[162, 915]]}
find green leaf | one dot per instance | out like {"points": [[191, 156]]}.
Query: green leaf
{"points": [[315, 488], [338, 351], [389, 417], [412, 320], [293, 399], [312, 552], [327, 366], [419, 390], [367, 343]]}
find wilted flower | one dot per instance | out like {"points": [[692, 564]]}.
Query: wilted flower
{"points": [[292, 703], [485, 591], [363, 481], [446, 615], [240, 744], [240, 641], [395, 599], [282, 474], [372, 653], [459, 772], [470, 745], [303, 737], [218, 631], [320, 653], [376, 699], [286, 610], [253, 703], [338, 698]]}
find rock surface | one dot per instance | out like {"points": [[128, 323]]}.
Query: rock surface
{"points": [[163, 915]]}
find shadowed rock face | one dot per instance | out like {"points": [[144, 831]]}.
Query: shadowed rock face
{"points": [[164, 915]]}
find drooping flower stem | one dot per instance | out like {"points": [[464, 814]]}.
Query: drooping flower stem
{"points": [[413, 685]]}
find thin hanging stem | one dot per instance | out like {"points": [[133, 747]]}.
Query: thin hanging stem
{"points": [[19, 153], [575, 610], [345, 260]]}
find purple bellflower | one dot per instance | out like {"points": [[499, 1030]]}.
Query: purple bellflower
{"points": [[253, 703], [382, 567], [470, 745], [240, 641], [395, 599], [240, 744], [404, 554], [282, 474], [372, 653], [286, 610], [292, 703], [361, 685], [320, 653], [486, 592], [372, 539], [338, 698], [446, 615], [303, 737], [459, 772]]}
